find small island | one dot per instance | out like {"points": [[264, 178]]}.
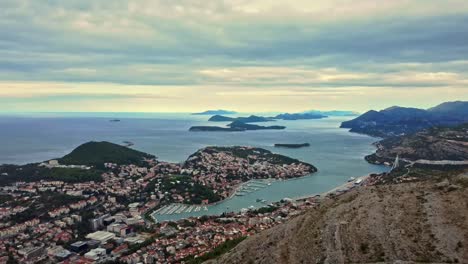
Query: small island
{"points": [[215, 129], [303, 145]]}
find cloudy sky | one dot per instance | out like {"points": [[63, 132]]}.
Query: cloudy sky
{"points": [[246, 55]]}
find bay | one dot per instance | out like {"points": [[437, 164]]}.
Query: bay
{"points": [[337, 153]]}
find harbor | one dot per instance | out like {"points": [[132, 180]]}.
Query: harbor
{"points": [[177, 208], [268, 191]]}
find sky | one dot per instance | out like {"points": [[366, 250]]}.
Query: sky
{"points": [[244, 55]]}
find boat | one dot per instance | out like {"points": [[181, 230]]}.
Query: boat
{"points": [[351, 179]]}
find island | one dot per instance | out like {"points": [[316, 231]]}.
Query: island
{"points": [[236, 126], [214, 129], [242, 125], [300, 116], [249, 119], [216, 112], [292, 145]]}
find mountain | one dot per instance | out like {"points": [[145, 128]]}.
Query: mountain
{"points": [[423, 221], [396, 120], [434, 144], [249, 119], [216, 112], [458, 109], [300, 116], [98, 153]]}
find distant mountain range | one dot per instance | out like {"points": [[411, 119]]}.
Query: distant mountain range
{"points": [[397, 120], [216, 112]]}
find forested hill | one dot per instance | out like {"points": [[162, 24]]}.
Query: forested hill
{"points": [[98, 153]]}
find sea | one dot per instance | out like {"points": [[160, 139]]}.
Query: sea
{"points": [[337, 153]]}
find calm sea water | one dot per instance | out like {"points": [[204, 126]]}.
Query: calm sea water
{"points": [[337, 153]]}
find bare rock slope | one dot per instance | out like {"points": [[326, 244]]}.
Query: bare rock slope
{"points": [[416, 222]]}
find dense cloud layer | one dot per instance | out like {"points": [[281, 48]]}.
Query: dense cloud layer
{"points": [[161, 50]]}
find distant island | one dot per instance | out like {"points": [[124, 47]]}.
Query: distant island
{"points": [[216, 112], [236, 126], [333, 113], [114, 120], [292, 145], [396, 121], [249, 119], [313, 114], [300, 116]]}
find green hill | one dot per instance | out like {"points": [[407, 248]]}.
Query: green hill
{"points": [[98, 153]]}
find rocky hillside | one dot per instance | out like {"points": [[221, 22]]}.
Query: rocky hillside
{"points": [[424, 221], [430, 144]]}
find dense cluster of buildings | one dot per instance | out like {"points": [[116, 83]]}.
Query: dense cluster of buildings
{"points": [[108, 220]]}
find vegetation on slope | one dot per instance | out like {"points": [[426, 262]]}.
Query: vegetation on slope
{"points": [[439, 143], [98, 153]]}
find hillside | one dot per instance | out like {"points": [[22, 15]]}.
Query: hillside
{"points": [[98, 153], [396, 120], [418, 222], [435, 144]]}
